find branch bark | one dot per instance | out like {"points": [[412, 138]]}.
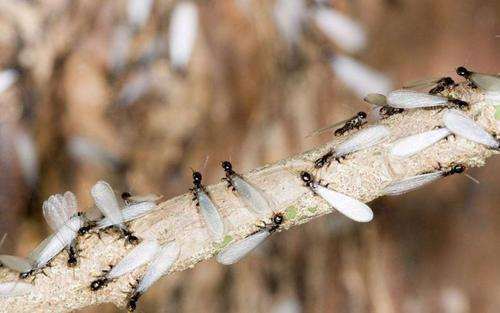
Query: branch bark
{"points": [[362, 175]]}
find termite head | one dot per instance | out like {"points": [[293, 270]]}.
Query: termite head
{"points": [[362, 115], [126, 195], [306, 178], [457, 169], [228, 167], [197, 179], [462, 71], [98, 284], [278, 218]]}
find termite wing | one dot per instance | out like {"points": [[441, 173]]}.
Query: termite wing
{"points": [[411, 183], [252, 196], [410, 99], [105, 200], [439, 84], [463, 126], [15, 288], [410, 145], [57, 210], [486, 82], [340, 128], [239, 249], [209, 211], [361, 140], [182, 33], [138, 256], [51, 246], [161, 263], [380, 102], [348, 206]]}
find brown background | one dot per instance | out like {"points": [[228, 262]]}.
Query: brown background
{"points": [[248, 97]]}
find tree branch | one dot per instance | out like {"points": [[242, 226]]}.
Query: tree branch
{"points": [[362, 175]]}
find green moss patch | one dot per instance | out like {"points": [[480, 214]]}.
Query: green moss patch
{"points": [[291, 212]]}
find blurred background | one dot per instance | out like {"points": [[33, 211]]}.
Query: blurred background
{"points": [[135, 92]]}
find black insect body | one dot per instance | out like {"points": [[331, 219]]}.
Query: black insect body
{"points": [[354, 123], [386, 111], [442, 84], [132, 302], [455, 169], [98, 284]]}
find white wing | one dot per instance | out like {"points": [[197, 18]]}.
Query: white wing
{"points": [[161, 264], [376, 99], [211, 215], [129, 213], [183, 31], [486, 82], [360, 78], [253, 198], [15, 263], [138, 256], [350, 207], [341, 29], [492, 98], [139, 11], [15, 288], [236, 251], [51, 246], [410, 145], [410, 99], [289, 17], [463, 126], [363, 139], [54, 211], [7, 79], [105, 200], [411, 183]]}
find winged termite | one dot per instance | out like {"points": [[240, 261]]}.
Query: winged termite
{"points": [[340, 128]]}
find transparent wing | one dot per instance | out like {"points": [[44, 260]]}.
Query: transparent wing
{"points": [[486, 82], [211, 215], [3, 239], [54, 244], [105, 200], [253, 198], [330, 128], [410, 145], [341, 29], [350, 207], [15, 263], [71, 202], [236, 251], [363, 139], [411, 183], [129, 213], [463, 126], [183, 32], [409, 99], [161, 264], [15, 288], [422, 83], [138, 256], [143, 198], [55, 211], [376, 99]]}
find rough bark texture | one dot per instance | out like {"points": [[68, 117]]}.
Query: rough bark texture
{"points": [[361, 175]]}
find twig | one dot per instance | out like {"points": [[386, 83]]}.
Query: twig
{"points": [[362, 175]]}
